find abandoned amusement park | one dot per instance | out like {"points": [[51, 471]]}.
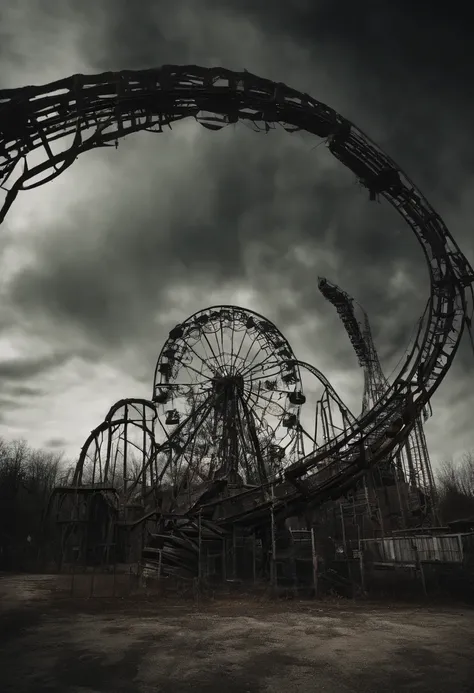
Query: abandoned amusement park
{"points": [[243, 489], [245, 468]]}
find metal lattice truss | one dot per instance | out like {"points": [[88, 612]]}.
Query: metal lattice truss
{"points": [[45, 128], [412, 462], [375, 383]]}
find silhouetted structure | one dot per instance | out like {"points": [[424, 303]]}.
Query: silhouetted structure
{"points": [[93, 111]]}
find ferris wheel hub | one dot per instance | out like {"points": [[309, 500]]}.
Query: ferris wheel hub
{"points": [[228, 383]]}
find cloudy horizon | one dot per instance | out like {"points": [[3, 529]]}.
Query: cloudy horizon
{"points": [[98, 265]]}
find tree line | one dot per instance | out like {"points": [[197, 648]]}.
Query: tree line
{"points": [[27, 478]]}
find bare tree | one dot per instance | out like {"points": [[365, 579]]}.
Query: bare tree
{"points": [[27, 478], [456, 488]]}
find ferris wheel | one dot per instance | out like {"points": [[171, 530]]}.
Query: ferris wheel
{"points": [[227, 412], [228, 392]]}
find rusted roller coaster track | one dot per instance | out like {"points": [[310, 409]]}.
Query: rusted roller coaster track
{"points": [[85, 112]]}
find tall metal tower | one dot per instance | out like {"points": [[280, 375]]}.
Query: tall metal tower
{"points": [[411, 466]]}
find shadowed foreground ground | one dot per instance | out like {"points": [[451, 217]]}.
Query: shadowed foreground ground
{"points": [[51, 643]]}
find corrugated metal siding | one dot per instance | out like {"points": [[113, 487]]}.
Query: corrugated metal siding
{"points": [[445, 549]]}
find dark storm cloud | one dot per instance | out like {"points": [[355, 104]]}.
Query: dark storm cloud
{"points": [[7, 405], [242, 198], [22, 369], [22, 390], [14, 374], [265, 199], [11, 403], [405, 72]]}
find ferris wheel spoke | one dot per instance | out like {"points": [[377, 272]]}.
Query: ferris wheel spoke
{"points": [[267, 389], [250, 421], [253, 366], [244, 331], [171, 386], [216, 358], [251, 397], [195, 370], [264, 368], [257, 403], [221, 335], [203, 361], [194, 398], [194, 429], [199, 342], [199, 380], [264, 396], [250, 363], [235, 328], [230, 338], [271, 375], [271, 402], [231, 354], [237, 345], [234, 364], [206, 357], [250, 391], [255, 340], [244, 443]]}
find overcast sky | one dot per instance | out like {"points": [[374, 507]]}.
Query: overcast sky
{"points": [[100, 264]]}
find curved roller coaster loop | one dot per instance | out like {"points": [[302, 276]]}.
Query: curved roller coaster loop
{"points": [[84, 112]]}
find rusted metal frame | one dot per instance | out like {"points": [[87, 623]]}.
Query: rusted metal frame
{"points": [[106, 425], [324, 381]]}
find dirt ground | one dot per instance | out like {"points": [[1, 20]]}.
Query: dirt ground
{"points": [[49, 642]]}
